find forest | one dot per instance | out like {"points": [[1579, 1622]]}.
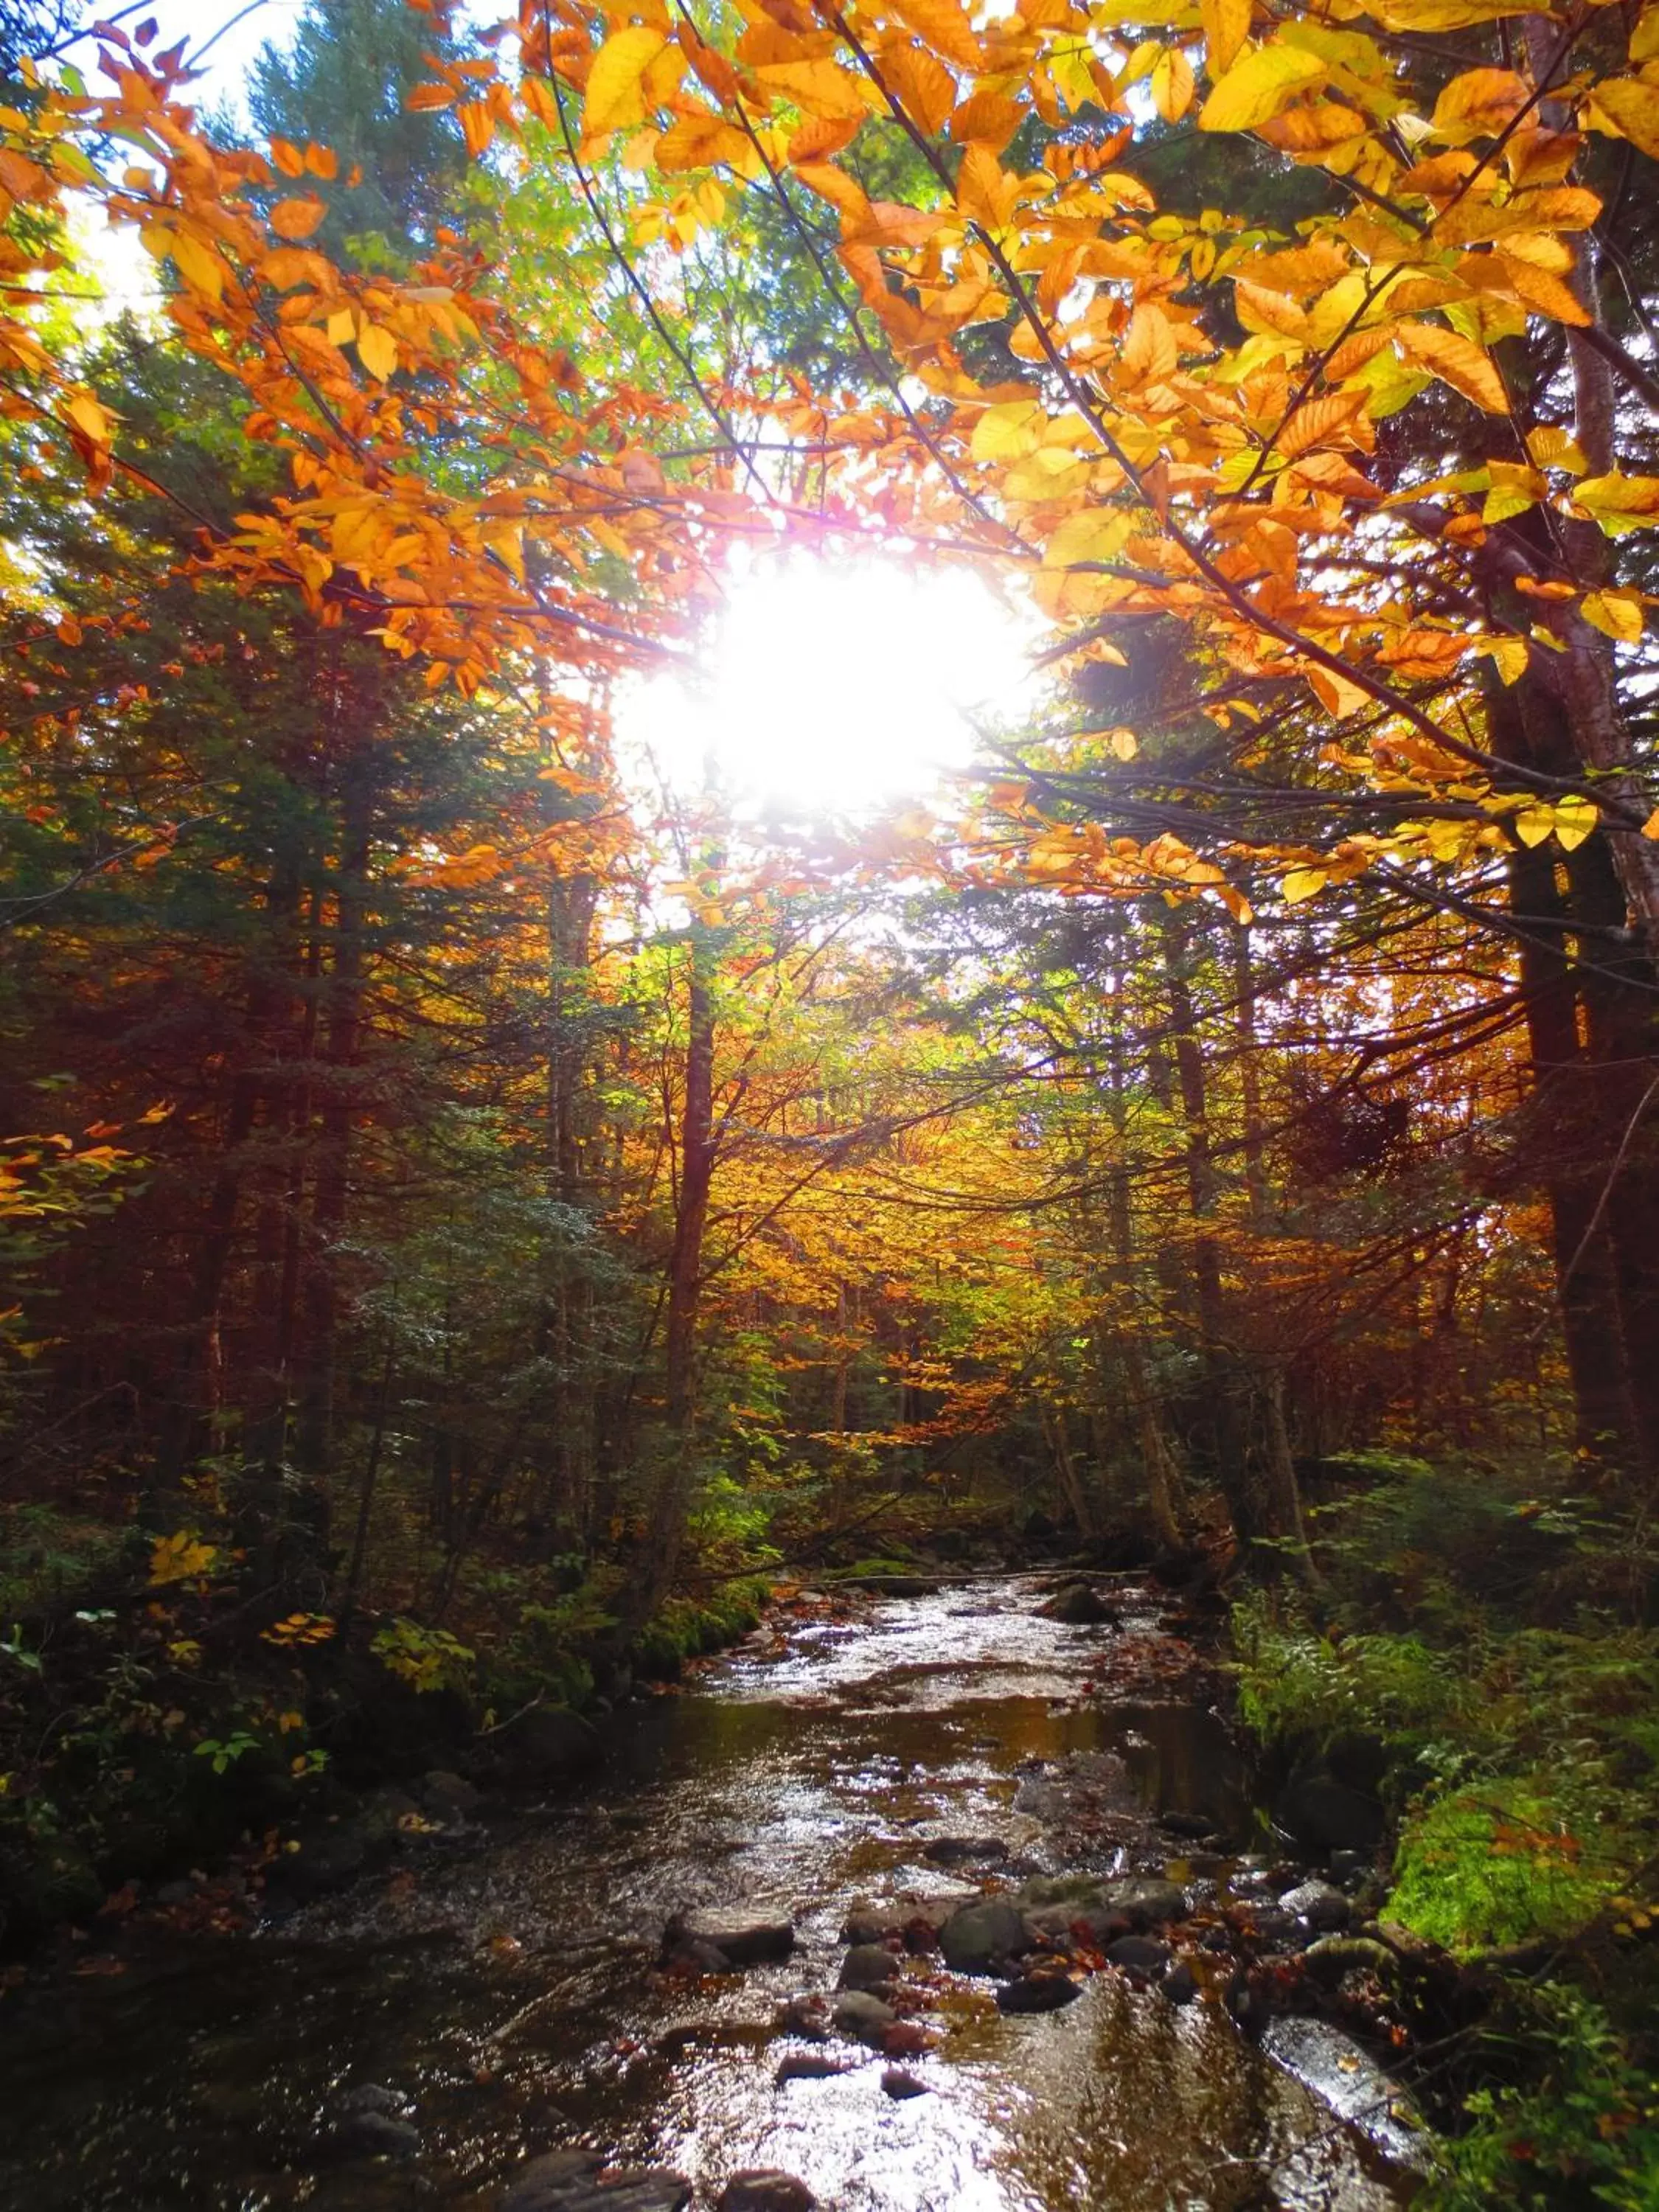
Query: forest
{"points": [[587, 1078]]}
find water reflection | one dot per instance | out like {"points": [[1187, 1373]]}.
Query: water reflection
{"points": [[511, 1992]]}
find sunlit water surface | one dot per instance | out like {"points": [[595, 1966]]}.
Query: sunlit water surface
{"points": [[510, 1991]]}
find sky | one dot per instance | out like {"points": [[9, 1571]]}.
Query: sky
{"points": [[829, 688]]}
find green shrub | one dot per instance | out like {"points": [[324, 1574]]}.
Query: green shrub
{"points": [[1504, 1862], [1582, 2130]]}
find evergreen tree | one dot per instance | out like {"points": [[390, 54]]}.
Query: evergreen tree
{"points": [[344, 82]]}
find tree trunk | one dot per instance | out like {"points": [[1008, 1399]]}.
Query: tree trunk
{"points": [[696, 1171]]}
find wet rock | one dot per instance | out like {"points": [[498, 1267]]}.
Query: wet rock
{"points": [[1326, 1814], [1179, 1984], [330, 1859], [1139, 1954], [862, 2017], [578, 2181], [765, 2189], [979, 1935], [1080, 1606], [917, 1920], [1037, 1993], [809, 2066], [1350, 1866], [376, 2134], [742, 1937], [373, 2097], [1347, 2078], [1194, 1825], [1317, 1905], [898, 2084], [1272, 1925], [448, 1797], [963, 1850], [545, 1745], [1145, 1901], [1328, 1957], [868, 1967], [690, 1958], [807, 2014], [1081, 1890]]}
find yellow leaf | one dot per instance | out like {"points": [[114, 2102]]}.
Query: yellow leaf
{"points": [[1507, 655], [924, 85], [1478, 104], [91, 419], [1148, 353], [820, 87], [943, 25], [1303, 884], [341, 326], [1532, 824], [1335, 693], [1172, 84], [1456, 360], [1257, 86], [1226, 26], [614, 99], [199, 265], [1095, 534], [1009, 432], [377, 349], [1615, 614], [297, 218], [1628, 107], [990, 116], [1650, 827], [1575, 820], [288, 157], [1619, 503]]}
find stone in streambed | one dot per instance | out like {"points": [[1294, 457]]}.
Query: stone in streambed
{"points": [[1325, 1815], [899, 2084], [765, 2189], [1328, 1957], [1179, 1984], [1317, 1905], [742, 1938], [917, 1919], [372, 2133], [1079, 1606], [963, 1850], [1139, 1954], [810, 2066], [982, 1936], [1037, 1993], [861, 2016], [868, 1967], [577, 2181], [448, 1797], [807, 2015], [1144, 1900], [548, 1744]]}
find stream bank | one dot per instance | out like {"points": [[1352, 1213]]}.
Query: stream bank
{"points": [[517, 1984]]}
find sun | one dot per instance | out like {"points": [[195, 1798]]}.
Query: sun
{"points": [[837, 687]]}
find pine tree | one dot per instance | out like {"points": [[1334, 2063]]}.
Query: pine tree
{"points": [[344, 82]]}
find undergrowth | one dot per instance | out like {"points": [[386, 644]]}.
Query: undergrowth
{"points": [[1485, 1636]]}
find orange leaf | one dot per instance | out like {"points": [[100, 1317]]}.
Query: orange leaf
{"points": [[297, 218], [943, 25]]}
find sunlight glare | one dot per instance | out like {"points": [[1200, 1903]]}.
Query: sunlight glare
{"points": [[836, 688]]}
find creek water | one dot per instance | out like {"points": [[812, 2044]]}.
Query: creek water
{"points": [[509, 1988]]}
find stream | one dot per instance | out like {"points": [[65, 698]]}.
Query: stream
{"points": [[502, 1985]]}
